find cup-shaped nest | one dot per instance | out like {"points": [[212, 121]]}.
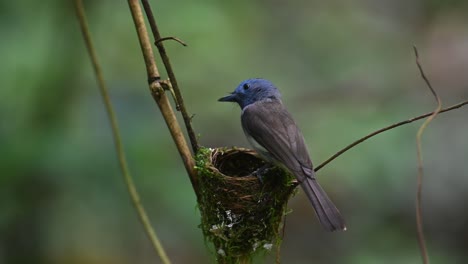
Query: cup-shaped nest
{"points": [[241, 213]]}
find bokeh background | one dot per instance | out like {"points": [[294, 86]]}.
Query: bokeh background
{"points": [[345, 68]]}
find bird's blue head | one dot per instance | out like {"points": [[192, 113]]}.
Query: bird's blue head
{"points": [[251, 91]]}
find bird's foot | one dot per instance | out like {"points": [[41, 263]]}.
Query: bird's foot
{"points": [[262, 171]]}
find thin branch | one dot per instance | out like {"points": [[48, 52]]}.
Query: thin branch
{"points": [[171, 38], [359, 141], [159, 95], [116, 135], [170, 72], [419, 224], [426, 80]]}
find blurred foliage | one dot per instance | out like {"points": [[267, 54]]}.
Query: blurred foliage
{"points": [[345, 68]]}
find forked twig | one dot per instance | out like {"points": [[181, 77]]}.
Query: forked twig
{"points": [[170, 72], [430, 116], [159, 96]]}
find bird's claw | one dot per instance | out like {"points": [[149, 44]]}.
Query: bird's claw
{"points": [[261, 171]]}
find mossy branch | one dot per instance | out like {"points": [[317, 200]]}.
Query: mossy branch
{"points": [[116, 135]]}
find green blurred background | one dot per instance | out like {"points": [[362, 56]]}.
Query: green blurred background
{"points": [[345, 68]]}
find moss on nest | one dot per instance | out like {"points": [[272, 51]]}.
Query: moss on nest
{"points": [[240, 215]]}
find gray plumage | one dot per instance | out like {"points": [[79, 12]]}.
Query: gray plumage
{"points": [[274, 134]]}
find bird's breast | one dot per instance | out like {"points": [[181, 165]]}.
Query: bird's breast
{"points": [[260, 149]]}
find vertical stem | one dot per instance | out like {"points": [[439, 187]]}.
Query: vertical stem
{"points": [[419, 224], [159, 94], [116, 135], [172, 78]]}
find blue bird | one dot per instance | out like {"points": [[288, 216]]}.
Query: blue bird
{"points": [[272, 132]]}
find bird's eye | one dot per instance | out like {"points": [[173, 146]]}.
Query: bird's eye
{"points": [[246, 86]]}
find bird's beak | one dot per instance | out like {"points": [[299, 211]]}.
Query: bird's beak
{"points": [[230, 98]]}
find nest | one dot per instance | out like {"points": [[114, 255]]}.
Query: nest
{"points": [[240, 214]]}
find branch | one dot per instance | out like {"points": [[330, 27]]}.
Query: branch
{"points": [[180, 106], [419, 225], [171, 38], [411, 120], [116, 135], [157, 91]]}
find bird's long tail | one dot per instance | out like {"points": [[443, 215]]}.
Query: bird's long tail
{"points": [[326, 211]]}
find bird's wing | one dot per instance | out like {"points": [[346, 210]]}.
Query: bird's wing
{"points": [[271, 126]]}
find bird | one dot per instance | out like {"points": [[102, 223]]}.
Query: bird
{"points": [[273, 133]]}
